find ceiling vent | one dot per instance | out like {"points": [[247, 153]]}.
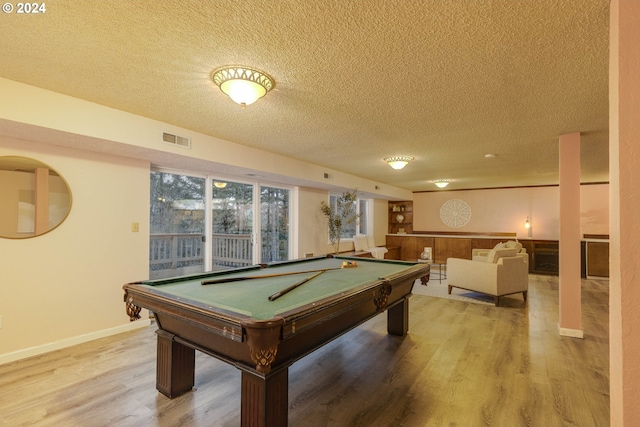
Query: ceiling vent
{"points": [[181, 141]]}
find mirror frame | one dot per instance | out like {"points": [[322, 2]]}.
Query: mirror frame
{"points": [[42, 179]]}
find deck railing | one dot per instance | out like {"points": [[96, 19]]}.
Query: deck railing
{"points": [[185, 251], [171, 254], [232, 250]]}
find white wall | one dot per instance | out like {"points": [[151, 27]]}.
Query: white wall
{"points": [[66, 286]]}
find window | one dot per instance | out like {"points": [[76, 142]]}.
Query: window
{"points": [[362, 208], [176, 224], [232, 224], [274, 221], [239, 224]]}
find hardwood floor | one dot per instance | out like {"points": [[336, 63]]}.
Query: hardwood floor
{"points": [[462, 364]]}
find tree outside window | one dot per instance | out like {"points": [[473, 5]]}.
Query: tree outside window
{"points": [[345, 215]]}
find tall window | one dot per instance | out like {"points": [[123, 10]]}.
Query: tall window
{"points": [[363, 224], [232, 224], [176, 224], [274, 220], [362, 207]]}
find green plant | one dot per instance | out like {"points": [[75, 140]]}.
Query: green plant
{"points": [[340, 216]]}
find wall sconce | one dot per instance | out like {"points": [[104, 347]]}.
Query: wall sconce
{"points": [[398, 162], [527, 225], [242, 84]]}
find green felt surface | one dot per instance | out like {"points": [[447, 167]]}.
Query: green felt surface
{"points": [[250, 297]]}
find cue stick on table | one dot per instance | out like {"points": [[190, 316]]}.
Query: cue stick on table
{"points": [[295, 285], [264, 276]]}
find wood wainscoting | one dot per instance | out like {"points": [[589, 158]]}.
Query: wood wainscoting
{"points": [[543, 254], [444, 245]]}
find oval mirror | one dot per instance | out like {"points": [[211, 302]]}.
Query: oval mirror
{"points": [[35, 198]]}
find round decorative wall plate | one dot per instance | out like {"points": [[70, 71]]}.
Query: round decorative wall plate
{"points": [[455, 213], [400, 218]]}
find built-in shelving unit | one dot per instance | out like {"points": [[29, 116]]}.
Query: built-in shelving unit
{"points": [[401, 217]]}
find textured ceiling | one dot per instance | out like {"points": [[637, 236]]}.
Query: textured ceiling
{"points": [[356, 81]]}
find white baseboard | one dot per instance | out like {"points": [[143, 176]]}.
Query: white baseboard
{"points": [[68, 342], [574, 333]]}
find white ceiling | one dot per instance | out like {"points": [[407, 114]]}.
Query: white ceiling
{"points": [[444, 81]]}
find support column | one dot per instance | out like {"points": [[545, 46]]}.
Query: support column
{"points": [[624, 205], [570, 279]]}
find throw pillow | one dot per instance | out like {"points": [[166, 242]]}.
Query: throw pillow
{"points": [[513, 244], [502, 253], [499, 246]]}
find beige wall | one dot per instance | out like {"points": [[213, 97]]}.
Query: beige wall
{"points": [[312, 228], [505, 210], [66, 286], [381, 224], [99, 128], [624, 152]]}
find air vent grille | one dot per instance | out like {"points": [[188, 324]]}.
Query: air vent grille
{"points": [[181, 141]]}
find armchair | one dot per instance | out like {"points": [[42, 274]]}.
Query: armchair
{"points": [[503, 272], [481, 254]]}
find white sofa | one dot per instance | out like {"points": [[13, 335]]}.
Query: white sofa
{"points": [[501, 272], [365, 243]]}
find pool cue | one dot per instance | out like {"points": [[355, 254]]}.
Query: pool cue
{"points": [[264, 276], [295, 285]]}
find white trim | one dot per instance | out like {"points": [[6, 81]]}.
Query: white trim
{"points": [[207, 250], [574, 333], [294, 222], [68, 342]]}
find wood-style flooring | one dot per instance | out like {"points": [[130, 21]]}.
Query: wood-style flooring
{"points": [[462, 364]]}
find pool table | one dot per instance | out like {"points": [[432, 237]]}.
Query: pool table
{"points": [[234, 320]]}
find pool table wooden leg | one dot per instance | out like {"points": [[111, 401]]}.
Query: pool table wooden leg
{"points": [[398, 318], [175, 366], [265, 399]]}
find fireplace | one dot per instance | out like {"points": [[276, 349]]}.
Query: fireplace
{"points": [[545, 258]]}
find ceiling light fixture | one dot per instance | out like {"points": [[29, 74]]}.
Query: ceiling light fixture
{"points": [[243, 84], [219, 184], [398, 162], [441, 183]]}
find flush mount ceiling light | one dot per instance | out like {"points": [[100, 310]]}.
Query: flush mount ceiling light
{"points": [[219, 184], [243, 84], [441, 183], [398, 162]]}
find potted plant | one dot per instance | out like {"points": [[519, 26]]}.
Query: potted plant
{"points": [[341, 215]]}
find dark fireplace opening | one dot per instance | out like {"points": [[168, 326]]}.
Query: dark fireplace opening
{"points": [[545, 258]]}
